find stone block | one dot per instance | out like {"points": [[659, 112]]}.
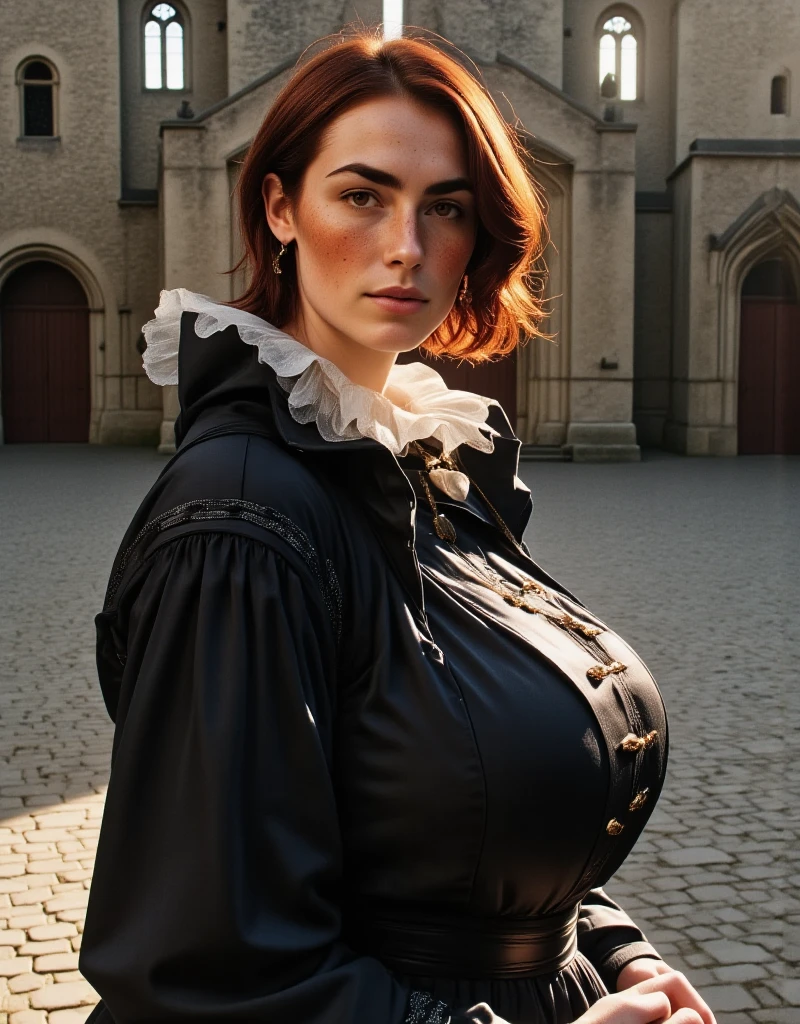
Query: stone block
{"points": [[69, 901], [75, 1016], [62, 996], [28, 1017], [689, 855], [729, 951], [40, 948], [129, 427], [25, 983], [728, 997], [15, 965], [56, 962]]}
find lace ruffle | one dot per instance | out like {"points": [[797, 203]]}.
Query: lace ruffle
{"points": [[421, 405]]}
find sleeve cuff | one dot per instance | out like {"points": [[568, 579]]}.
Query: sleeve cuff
{"points": [[424, 1009], [612, 964]]}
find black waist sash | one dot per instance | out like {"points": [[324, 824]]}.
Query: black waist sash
{"points": [[462, 946]]}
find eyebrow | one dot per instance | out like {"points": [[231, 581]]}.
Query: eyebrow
{"points": [[379, 177]]}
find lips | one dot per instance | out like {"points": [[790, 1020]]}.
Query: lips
{"points": [[394, 304], [398, 300], [395, 292]]}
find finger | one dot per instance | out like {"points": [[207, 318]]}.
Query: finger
{"points": [[683, 995], [680, 992], [629, 1007], [685, 1016]]}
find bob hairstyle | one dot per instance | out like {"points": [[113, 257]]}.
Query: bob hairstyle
{"points": [[505, 271]]}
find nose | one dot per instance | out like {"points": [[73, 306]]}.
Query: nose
{"points": [[404, 240]]}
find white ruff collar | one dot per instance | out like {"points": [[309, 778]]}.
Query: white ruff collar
{"points": [[421, 405]]}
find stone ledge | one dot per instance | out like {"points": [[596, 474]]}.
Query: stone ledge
{"points": [[604, 452], [602, 442], [129, 427]]}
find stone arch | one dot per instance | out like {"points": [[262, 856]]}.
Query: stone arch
{"points": [[769, 228], [103, 338]]}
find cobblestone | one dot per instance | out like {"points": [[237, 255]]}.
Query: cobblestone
{"points": [[694, 562], [63, 511]]}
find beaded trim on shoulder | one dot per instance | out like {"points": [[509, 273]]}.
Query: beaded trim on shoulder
{"points": [[261, 515]]}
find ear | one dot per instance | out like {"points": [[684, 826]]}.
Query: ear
{"points": [[277, 208]]}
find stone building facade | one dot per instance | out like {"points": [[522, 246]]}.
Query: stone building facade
{"points": [[665, 133]]}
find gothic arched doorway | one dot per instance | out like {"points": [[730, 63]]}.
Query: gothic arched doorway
{"points": [[44, 319], [769, 362]]}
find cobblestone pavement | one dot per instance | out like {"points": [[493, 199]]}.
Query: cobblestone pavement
{"points": [[695, 562]]}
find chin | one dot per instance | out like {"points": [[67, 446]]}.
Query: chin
{"points": [[395, 337]]}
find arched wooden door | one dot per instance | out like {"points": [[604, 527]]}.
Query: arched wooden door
{"points": [[769, 362], [44, 321], [495, 380]]}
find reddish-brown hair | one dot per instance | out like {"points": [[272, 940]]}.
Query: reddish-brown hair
{"points": [[505, 271]]}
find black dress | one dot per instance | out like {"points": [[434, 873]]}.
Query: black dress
{"points": [[350, 784]]}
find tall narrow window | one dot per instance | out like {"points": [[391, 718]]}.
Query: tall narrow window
{"points": [[618, 62], [164, 41], [37, 81], [779, 98], [392, 19]]}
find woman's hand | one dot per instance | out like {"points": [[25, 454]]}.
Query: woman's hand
{"points": [[657, 1000], [666, 997], [681, 993]]}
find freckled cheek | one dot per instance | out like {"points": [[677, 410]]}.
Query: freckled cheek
{"points": [[448, 257], [333, 248]]}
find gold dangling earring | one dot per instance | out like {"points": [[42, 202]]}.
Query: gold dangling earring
{"points": [[276, 265], [464, 293]]}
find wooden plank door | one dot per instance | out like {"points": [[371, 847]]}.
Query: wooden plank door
{"points": [[787, 378], [45, 356], [757, 361]]}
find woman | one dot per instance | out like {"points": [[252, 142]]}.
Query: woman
{"points": [[371, 763]]}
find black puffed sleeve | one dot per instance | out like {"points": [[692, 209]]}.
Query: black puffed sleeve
{"points": [[608, 937], [216, 886]]}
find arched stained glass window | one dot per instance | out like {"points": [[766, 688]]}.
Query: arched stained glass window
{"points": [[37, 80], [618, 59], [164, 42]]}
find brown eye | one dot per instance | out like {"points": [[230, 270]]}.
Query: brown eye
{"points": [[359, 198], [447, 210]]}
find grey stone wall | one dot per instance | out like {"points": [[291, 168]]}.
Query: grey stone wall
{"points": [[530, 31], [262, 35], [727, 56]]}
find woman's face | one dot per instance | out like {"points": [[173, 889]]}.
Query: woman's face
{"points": [[386, 204]]}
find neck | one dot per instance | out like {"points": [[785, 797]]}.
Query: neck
{"points": [[366, 366]]}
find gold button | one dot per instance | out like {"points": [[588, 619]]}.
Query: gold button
{"points": [[529, 584], [639, 800], [633, 743], [601, 671], [614, 827]]}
